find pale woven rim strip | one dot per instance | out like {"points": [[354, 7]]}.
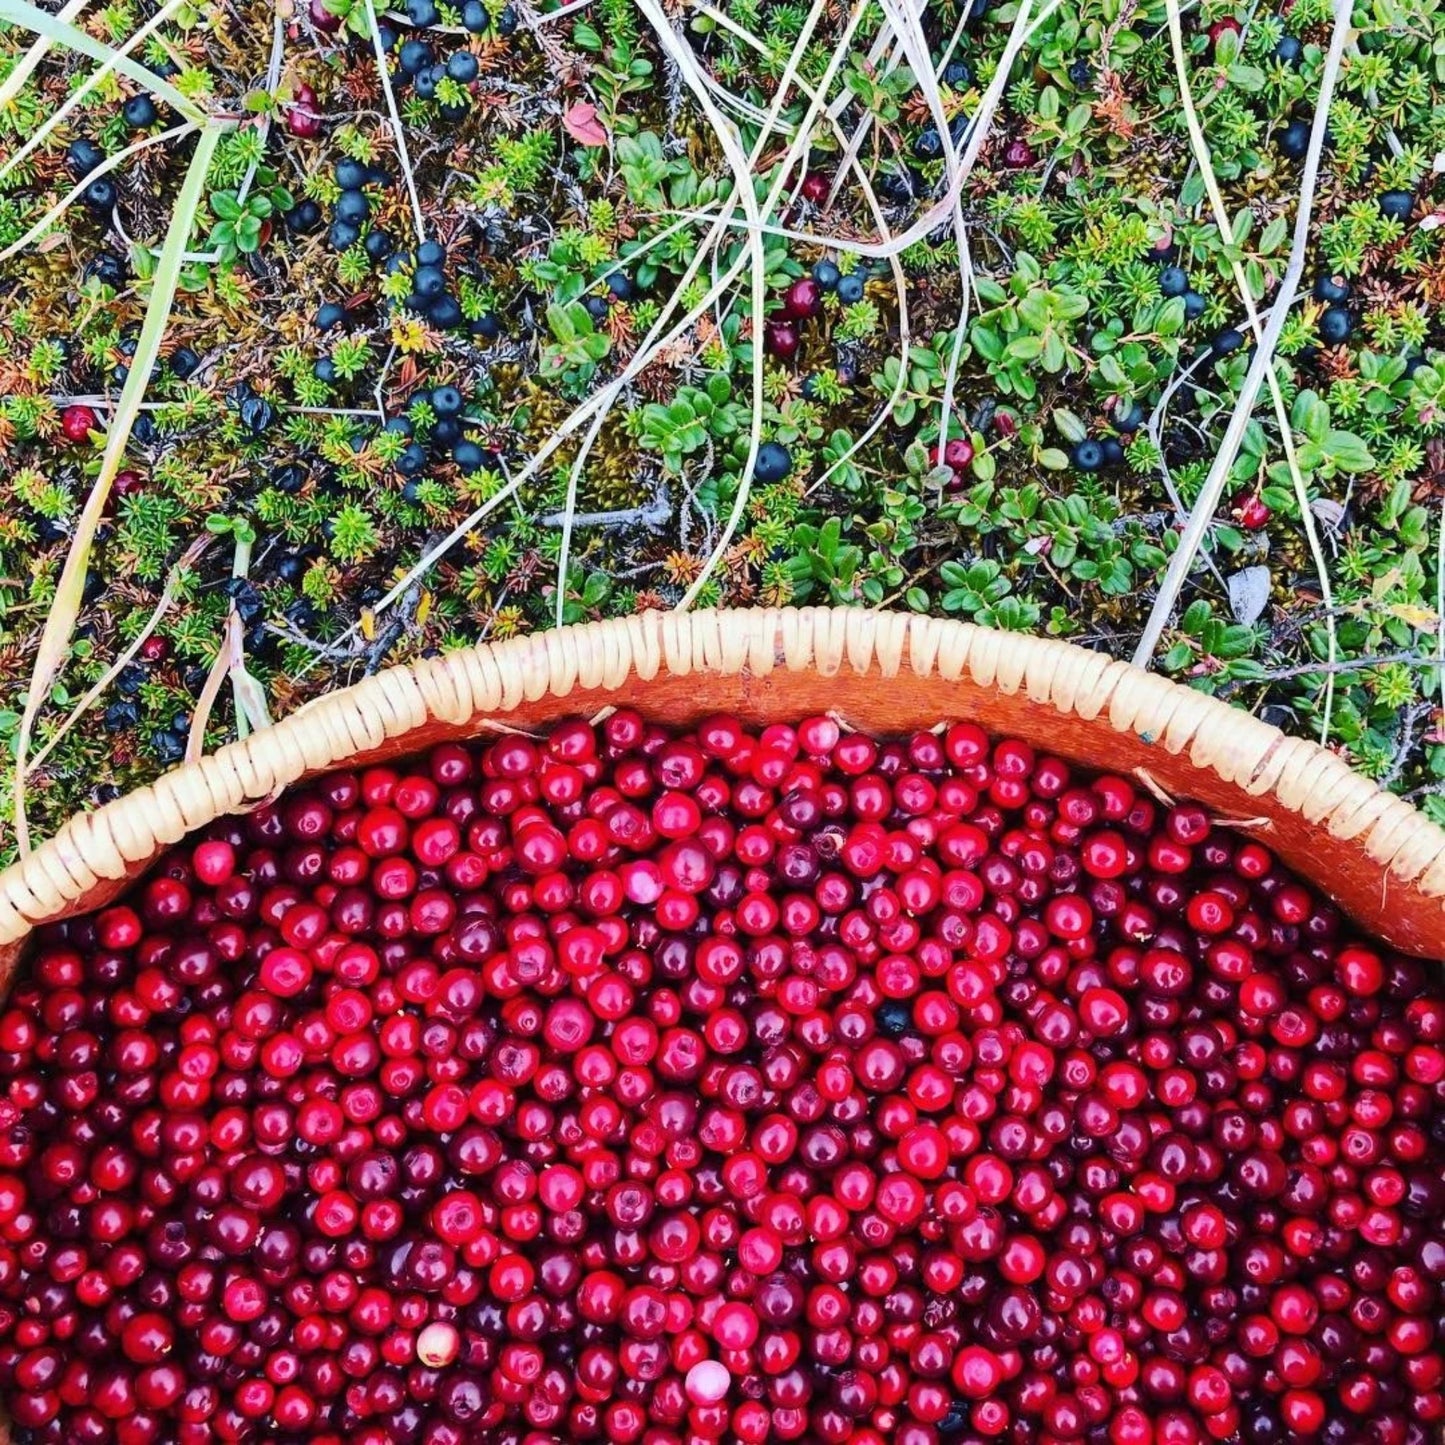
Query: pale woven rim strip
{"points": [[1377, 855]]}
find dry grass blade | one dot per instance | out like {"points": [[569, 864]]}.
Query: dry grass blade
{"points": [[397, 128], [61, 32], [60, 621], [1263, 363], [1200, 148], [14, 83], [187, 560], [93, 80], [166, 137]]}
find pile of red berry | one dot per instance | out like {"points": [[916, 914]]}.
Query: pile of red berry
{"points": [[631, 1085]]}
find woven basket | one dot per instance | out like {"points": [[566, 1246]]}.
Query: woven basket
{"points": [[881, 672]]}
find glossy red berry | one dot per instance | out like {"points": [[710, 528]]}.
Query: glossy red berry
{"points": [[742, 1084]]}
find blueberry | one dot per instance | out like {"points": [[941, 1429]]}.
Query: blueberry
{"points": [[446, 401], [121, 716], [476, 18], [242, 591], [351, 175], [184, 362], [487, 327], [453, 114], [168, 747], [773, 463], [462, 67], [1173, 281], [468, 457], [109, 270], [619, 286], [956, 1421], [1130, 418], [301, 614], [1227, 341], [1081, 73], [289, 478], [388, 36], [399, 426], [1113, 451], [412, 460], [1294, 140], [130, 679], [1161, 253], [325, 371], [1193, 306], [256, 414], [894, 1017], [421, 13], [379, 245], [894, 188], [850, 288], [827, 275], [352, 206], [291, 568], [431, 253], [1397, 205], [445, 313], [1336, 325], [1289, 50], [1414, 363], [426, 83], [1088, 456], [100, 194], [343, 235], [413, 57], [139, 112], [303, 218], [596, 307], [928, 144], [958, 74], [507, 21], [428, 281], [446, 431], [83, 156], [1332, 289]]}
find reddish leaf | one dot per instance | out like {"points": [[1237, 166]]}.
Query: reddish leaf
{"points": [[581, 123]]}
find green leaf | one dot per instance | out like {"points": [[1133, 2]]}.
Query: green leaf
{"points": [[226, 206], [1349, 452], [559, 319]]}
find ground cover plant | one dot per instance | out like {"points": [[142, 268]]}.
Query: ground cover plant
{"points": [[333, 334]]}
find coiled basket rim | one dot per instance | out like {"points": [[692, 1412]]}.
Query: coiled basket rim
{"points": [[1380, 859]]}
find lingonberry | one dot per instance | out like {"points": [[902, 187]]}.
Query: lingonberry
{"points": [[729, 1085]]}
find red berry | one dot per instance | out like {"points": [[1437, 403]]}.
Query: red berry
{"points": [[826, 1087], [815, 187], [77, 422], [1253, 513], [803, 299], [781, 338]]}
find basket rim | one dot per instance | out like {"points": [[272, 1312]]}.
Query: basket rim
{"points": [[462, 688]]}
